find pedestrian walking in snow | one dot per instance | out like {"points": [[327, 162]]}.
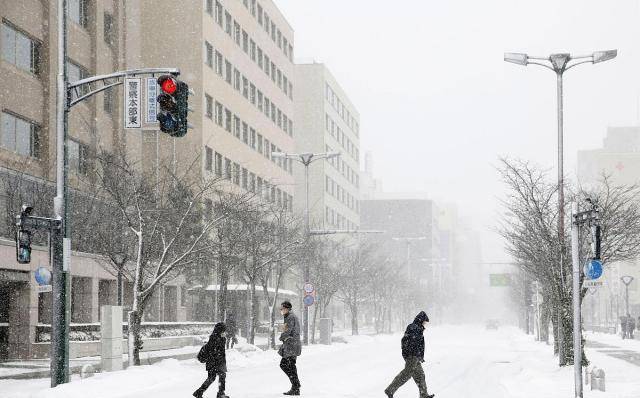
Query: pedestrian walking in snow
{"points": [[413, 354], [291, 347], [623, 326], [631, 325], [213, 354], [232, 329]]}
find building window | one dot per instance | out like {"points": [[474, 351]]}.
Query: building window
{"points": [[252, 93], [219, 13], [252, 182], [78, 157], [19, 50], [218, 164], [208, 164], [279, 39], [236, 173], [273, 72], [267, 23], [290, 53], [227, 169], [219, 113], [77, 10], [76, 73], [259, 57], [245, 178], [228, 27], [245, 133], [227, 68], [252, 50], [253, 138], [273, 31], [236, 126], [219, 63], [184, 292], [209, 54], [110, 32], [236, 79], [20, 136], [245, 42], [260, 11], [227, 120], [260, 143], [208, 104], [108, 101], [267, 154], [253, 8], [267, 65], [236, 32], [245, 87], [209, 7], [260, 99]]}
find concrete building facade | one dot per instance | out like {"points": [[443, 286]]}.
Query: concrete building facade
{"points": [[237, 57], [327, 121]]}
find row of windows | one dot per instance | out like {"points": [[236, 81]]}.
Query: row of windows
{"points": [[334, 189], [335, 219], [270, 27], [347, 172], [248, 180], [336, 132], [248, 89], [257, 54], [344, 113], [232, 123]]}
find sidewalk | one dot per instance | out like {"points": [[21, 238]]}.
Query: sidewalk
{"points": [[613, 346]]}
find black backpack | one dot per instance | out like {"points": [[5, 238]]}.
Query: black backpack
{"points": [[203, 354]]}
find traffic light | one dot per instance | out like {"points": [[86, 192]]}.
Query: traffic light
{"points": [[174, 106], [23, 236], [23, 246]]}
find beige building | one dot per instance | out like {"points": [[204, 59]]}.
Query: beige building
{"points": [[327, 121], [619, 158], [236, 56]]}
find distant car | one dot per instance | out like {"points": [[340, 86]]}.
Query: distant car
{"points": [[492, 324]]}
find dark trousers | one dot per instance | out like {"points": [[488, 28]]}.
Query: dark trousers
{"points": [[222, 377], [412, 369], [231, 340], [288, 366]]}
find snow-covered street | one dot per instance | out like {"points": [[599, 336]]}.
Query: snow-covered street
{"points": [[461, 361]]}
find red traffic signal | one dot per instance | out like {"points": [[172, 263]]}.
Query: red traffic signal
{"points": [[168, 84]]}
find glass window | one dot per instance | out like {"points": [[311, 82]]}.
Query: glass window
{"points": [[218, 164], [236, 32], [260, 143], [267, 153], [245, 42], [236, 126], [209, 7], [252, 93], [273, 31], [252, 47], [245, 87], [267, 23], [208, 54], [236, 173], [236, 79], [227, 75], [279, 41], [208, 104], [228, 27], [219, 113], [279, 74], [253, 7], [219, 63], [77, 11], [245, 133], [110, 32], [227, 120], [260, 11], [219, 12], [273, 72], [78, 157], [260, 57], [227, 169], [260, 101], [245, 178], [253, 138], [19, 50], [20, 136], [208, 164]]}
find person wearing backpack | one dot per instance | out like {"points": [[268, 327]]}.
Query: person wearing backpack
{"points": [[413, 354], [213, 354]]}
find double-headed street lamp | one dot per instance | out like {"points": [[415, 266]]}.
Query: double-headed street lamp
{"points": [[306, 159], [560, 63]]}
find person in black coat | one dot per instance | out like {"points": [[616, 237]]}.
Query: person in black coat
{"points": [[413, 354], [213, 354], [291, 347]]}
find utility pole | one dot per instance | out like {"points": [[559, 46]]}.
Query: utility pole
{"points": [[627, 279]]}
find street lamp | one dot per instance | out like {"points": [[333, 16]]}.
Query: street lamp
{"points": [[306, 159], [560, 63], [627, 279]]}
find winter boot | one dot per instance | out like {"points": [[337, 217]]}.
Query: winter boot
{"points": [[221, 395], [293, 391], [389, 393]]}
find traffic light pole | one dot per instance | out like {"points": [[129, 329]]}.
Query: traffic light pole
{"points": [[69, 94]]}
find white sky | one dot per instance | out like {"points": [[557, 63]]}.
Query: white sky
{"points": [[438, 105]]}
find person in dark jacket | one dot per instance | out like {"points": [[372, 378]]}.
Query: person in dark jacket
{"points": [[291, 347], [232, 329], [631, 325], [413, 354], [216, 361]]}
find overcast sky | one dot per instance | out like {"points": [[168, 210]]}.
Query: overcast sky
{"points": [[438, 105]]}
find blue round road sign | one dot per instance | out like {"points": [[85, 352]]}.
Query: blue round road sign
{"points": [[593, 269], [43, 276], [308, 300]]}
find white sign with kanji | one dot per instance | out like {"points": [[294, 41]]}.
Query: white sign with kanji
{"points": [[132, 98], [152, 102]]}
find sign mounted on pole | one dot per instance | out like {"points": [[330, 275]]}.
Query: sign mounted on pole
{"points": [[593, 269], [132, 98], [152, 100], [308, 288]]}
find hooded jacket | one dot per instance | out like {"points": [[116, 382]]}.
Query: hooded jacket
{"points": [[413, 339], [215, 350]]}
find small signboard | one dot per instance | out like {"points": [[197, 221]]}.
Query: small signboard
{"points": [[592, 284], [308, 288], [44, 288], [152, 100], [132, 98], [308, 300]]}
